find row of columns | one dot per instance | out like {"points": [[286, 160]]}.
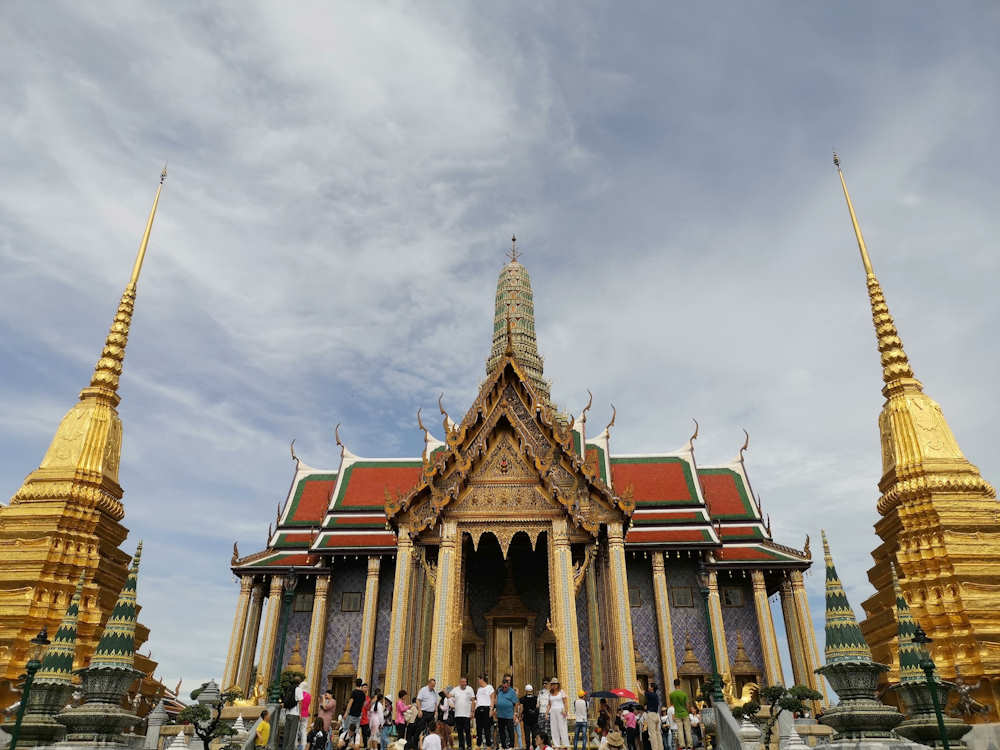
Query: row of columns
{"points": [[247, 624], [798, 627]]}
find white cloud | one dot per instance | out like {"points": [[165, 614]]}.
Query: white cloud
{"points": [[344, 180]]}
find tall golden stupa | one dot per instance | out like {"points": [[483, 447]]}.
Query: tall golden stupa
{"points": [[65, 520], [940, 524]]}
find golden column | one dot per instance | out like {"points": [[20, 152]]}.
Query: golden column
{"points": [[594, 626], [765, 625], [804, 618], [564, 607], [366, 648], [793, 635], [249, 650], [236, 636], [400, 606], [442, 627], [317, 639], [270, 634], [621, 614], [664, 627], [718, 628]]}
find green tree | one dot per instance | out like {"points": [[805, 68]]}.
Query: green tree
{"points": [[206, 726], [780, 699]]}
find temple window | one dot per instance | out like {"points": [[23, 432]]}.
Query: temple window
{"points": [[350, 601], [303, 602], [732, 596], [680, 596]]}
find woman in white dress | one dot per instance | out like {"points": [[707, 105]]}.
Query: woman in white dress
{"points": [[557, 715]]}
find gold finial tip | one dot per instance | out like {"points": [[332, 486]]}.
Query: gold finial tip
{"points": [[836, 160], [513, 254], [163, 174]]}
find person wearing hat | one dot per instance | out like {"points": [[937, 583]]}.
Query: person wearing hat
{"points": [[527, 712], [543, 709], [580, 715], [613, 740], [557, 714]]}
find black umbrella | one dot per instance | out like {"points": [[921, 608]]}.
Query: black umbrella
{"points": [[601, 694]]}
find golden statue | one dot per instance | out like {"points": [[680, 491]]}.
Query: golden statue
{"points": [[747, 694], [257, 696]]}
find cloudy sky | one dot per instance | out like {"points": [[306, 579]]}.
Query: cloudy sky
{"points": [[344, 180]]}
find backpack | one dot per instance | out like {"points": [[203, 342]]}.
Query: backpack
{"points": [[288, 697]]}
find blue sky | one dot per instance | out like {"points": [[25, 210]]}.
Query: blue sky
{"points": [[343, 183]]}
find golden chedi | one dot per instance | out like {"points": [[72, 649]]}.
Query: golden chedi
{"points": [[65, 520], [939, 524]]}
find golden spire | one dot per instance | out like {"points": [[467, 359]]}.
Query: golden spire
{"points": [[109, 366], [895, 364]]}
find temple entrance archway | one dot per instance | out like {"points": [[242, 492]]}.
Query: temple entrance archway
{"points": [[507, 608]]}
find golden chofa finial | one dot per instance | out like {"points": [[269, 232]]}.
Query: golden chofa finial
{"points": [[513, 254], [854, 219], [895, 364], [109, 366]]}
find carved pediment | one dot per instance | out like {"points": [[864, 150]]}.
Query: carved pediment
{"points": [[510, 458]]}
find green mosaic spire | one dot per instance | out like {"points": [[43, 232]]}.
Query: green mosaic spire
{"points": [[116, 649], [844, 642], [57, 664], [516, 301], [910, 653]]}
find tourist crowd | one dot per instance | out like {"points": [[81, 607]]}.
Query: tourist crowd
{"points": [[498, 718]]}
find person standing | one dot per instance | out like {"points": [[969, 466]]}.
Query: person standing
{"points": [[427, 699], [352, 716], [363, 719], [506, 700], [528, 708], [291, 701], [326, 710], [462, 698], [580, 715], [432, 740], [304, 714], [631, 722], [557, 715], [388, 725], [401, 707], [653, 717], [263, 732], [679, 701], [485, 701], [543, 709], [376, 717]]}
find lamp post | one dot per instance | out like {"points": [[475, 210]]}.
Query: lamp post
{"points": [[38, 644], [715, 681], [288, 595], [927, 664]]}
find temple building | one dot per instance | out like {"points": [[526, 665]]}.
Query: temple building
{"points": [[520, 542], [939, 523], [65, 521]]}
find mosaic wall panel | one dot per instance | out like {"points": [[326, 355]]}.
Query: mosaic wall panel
{"points": [[639, 572], [387, 578], [743, 621], [687, 621], [583, 626], [298, 626], [348, 577]]}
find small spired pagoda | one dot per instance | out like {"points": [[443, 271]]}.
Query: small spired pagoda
{"points": [[64, 523], [939, 524], [519, 542]]}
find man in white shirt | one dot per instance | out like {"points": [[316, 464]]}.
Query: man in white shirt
{"points": [[463, 696], [580, 714], [427, 699], [292, 717], [485, 700]]}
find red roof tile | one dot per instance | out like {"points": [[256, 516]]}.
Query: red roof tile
{"points": [[725, 495], [666, 536], [377, 539], [364, 483], [654, 480], [311, 499]]}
